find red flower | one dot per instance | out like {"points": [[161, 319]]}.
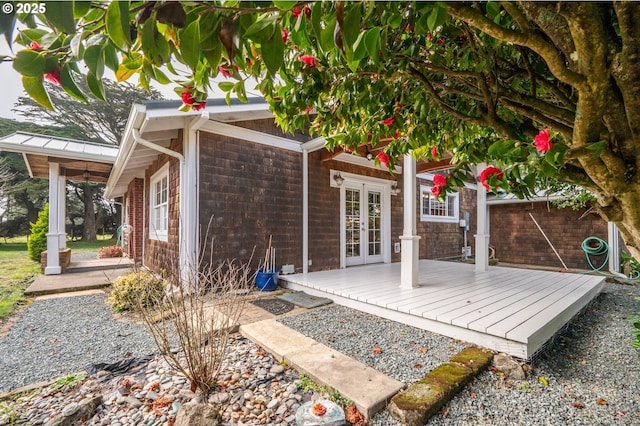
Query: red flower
{"points": [[224, 71], [439, 180], [487, 173], [436, 190], [543, 141], [308, 110], [388, 121], [441, 41], [429, 36], [397, 134], [285, 35], [434, 152], [383, 158], [297, 12], [309, 60], [409, 28], [200, 105], [53, 76], [187, 98], [35, 45]]}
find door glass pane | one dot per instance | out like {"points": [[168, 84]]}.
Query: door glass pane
{"points": [[374, 221], [352, 221]]}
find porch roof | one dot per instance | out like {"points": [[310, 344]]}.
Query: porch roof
{"points": [[75, 157]]}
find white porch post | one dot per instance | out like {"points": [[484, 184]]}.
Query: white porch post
{"points": [[53, 236], [305, 211], [409, 239], [62, 211], [614, 247], [482, 235]]}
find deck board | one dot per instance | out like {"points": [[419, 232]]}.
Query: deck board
{"points": [[505, 309]]}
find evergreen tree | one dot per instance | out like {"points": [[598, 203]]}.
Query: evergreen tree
{"points": [[38, 240]]}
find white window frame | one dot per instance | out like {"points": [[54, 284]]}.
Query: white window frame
{"points": [[158, 233], [453, 198]]}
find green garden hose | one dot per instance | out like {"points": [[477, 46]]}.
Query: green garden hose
{"points": [[590, 249]]}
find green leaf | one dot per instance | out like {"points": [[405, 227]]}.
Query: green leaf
{"points": [[359, 48], [81, 8], [161, 77], [213, 56], [372, 42], [327, 40], [395, 21], [437, 17], [7, 24], [132, 61], [226, 86], [263, 27], [273, 52], [76, 46], [111, 57], [29, 63], [284, 4], [123, 73], [94, 59], [241, 92], [95, 86], [117, 24], [597, 148], [544, 381], [190, 44], [60, 14], [493, 9], [154, 45], [351, 25], [69, 85], [35, 89]]}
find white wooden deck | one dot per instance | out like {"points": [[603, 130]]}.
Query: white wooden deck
{"points": [[510, 310]]}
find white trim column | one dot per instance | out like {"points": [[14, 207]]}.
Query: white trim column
{"points": [[409, 240], [62, 211], [305, 211], [614, 247], [482, 235], [53, 236]]}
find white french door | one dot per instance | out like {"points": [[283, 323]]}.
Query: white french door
{"points": [[364, 220]]}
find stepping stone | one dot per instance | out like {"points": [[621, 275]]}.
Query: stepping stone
{"points": [[305, 300]]}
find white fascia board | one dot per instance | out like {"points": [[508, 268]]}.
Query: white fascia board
{"points": [[361, 161], [314, 144], [135, 120], [224, 129]]}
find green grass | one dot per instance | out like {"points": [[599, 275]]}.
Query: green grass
{"points": [[17, 271]]}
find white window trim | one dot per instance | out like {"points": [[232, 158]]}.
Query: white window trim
{"points": [[154, 234], [442, 219]]}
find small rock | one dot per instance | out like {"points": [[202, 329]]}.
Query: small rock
{"points": [[510, 367], [191, 414], [277, 369]]}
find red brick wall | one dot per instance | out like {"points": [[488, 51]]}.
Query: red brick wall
{"points": [[516, 238], [163, 255], [135, 202]]}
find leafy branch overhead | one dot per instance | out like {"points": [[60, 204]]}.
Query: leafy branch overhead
{"points": [[464, 82]]}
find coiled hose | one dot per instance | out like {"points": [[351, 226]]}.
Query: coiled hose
{"points": [[591, 249]]}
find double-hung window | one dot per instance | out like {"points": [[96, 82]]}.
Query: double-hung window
{"points": [[434, 210], [159, 210]]}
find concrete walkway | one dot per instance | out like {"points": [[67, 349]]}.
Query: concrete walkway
{"points": [[369, 389], [81, 275]]}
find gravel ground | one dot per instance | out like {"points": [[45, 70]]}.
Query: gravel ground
{"points": [[53, 338], [592, 371]]}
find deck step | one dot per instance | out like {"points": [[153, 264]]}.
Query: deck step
{"points": [[98, 265], [369, 389]]}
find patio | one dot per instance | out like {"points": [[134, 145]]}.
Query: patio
{"points": [[510, 310]]}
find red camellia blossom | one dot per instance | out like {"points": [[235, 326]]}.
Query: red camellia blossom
{"points": [[285, 35], [409, 27], [429, 36], [434, 152], [543, 141], [487, 173], [297, 11], [436, 190], [383, 157], [309, 60], [35, 45], [439, 180], [388, 121], [53, 76], [224, 71], [307, 110], [199, 105], [441, 41], [187, 98]]}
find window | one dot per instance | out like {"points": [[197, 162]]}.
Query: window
{"points": [[159, 211], [434, 210]]}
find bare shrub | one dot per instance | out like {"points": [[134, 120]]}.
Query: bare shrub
{"points": [[198, 313]]}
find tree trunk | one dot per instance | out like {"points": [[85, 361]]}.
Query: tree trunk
{"points": [[89, 232]]}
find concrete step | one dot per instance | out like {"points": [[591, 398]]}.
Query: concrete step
{"points": [[369, 389], [98, 265]]}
